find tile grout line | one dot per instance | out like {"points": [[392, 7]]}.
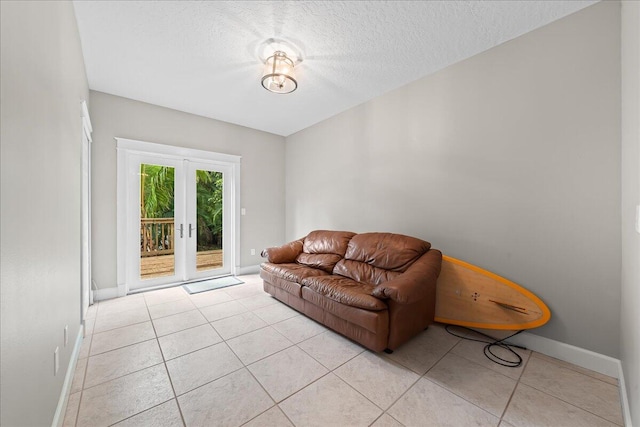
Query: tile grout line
{"points": [[388, 356], [310, 355], [289, 395], [401, 395], [244, 366], [569, 368], [268, 355], [85, 370], [75, 423], [384, 411], [119, 313], [573, 404], [164, 362], [518, 380], [81, 391], [120, 327], [182, 330], [342, 380], [296, 345], [209, 382], [141, 412], [481, 366], [562, 399], [393, 418], [223, 341], [476, 363], [513, 392], [120, 348], [379, 416], [124, 375], [332, 371], [329, 371], [463, 398], [275, 405], [285, 415]]}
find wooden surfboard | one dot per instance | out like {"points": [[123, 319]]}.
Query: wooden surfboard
{"points": [[470, 296]]}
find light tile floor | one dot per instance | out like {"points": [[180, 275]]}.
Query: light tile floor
{"points": [[236, 356]]}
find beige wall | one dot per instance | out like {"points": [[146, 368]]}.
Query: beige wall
{"points": [[262, 171], [630, 313], [43, 83], [509, 160]]}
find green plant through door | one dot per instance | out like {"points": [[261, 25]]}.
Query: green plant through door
{"points": [[157, 226]]}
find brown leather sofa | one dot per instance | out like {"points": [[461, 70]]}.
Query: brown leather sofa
{"points": [[378, 289]]}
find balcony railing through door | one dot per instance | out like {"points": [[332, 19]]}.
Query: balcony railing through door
{"points": [[157, 242]]}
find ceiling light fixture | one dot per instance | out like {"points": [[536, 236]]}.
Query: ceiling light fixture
{"points": [[278, 76]]}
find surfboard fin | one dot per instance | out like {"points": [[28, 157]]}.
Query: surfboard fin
{"points": [[517, 309]]}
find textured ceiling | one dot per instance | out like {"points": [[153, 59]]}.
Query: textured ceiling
{"points": [[202, 56]]}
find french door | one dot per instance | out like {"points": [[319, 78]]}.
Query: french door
{"points": [[179, 220], [208, 225]]}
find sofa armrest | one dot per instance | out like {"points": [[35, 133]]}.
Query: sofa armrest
{"points": [[283, 254], [416, 283]]}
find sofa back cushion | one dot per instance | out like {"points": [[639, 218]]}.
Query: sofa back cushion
{"points": [[379, 257], [323, 249]]}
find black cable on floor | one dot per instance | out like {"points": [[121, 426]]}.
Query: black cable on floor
{"points": [[494, 342]]}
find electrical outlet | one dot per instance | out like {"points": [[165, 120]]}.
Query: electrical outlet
{"points": [[253, 251], [56, 362], [66, 335]]}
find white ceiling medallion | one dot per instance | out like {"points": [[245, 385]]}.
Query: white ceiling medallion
{"points": [[280, 58]]}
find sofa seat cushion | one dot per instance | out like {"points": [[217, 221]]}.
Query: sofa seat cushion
{"points": [[376, 322], [345, 291], [291, 271]]}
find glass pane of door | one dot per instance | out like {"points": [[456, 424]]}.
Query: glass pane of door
{"points": [[157, 227], [209, 220]]}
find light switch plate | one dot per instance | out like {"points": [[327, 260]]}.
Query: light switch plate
{"points": [[638, 218]]}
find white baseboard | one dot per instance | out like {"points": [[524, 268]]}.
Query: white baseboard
{"points": [[106, 293], [624, 400], [251, 269], [122, 290], [61, 409], [578, 356], [581, 357]]}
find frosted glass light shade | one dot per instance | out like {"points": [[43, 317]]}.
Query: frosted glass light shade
{"points": [[278, 76]]}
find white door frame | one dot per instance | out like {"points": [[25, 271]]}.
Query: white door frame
{"points": [[128, 147], [86, 295]]}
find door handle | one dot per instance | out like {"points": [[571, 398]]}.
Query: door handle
{"points": [[191, 228], [181, 231]]}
